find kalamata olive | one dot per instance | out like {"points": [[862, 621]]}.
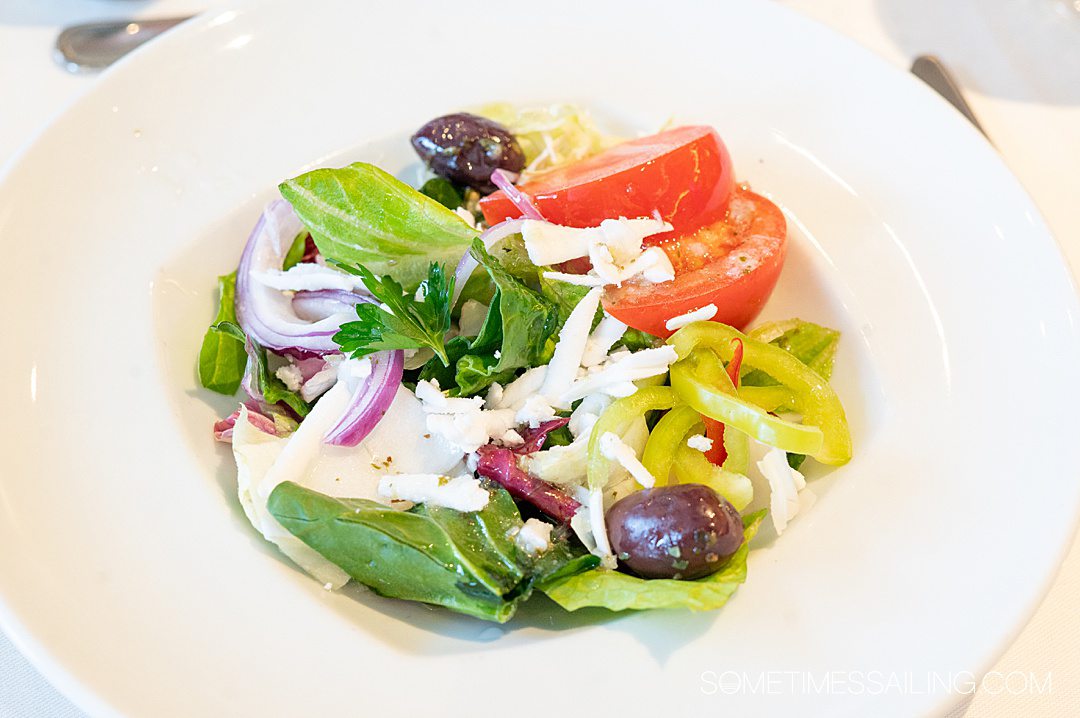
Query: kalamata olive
{"points": [[467, 148], [680, 531]]}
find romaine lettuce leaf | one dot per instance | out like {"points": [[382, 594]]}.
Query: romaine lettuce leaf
{"points": [[550, 135], [812, 344], [362, 215], [620, 592]]}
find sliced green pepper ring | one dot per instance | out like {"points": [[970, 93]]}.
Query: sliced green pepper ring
{"points": [[666, 438], [711, 401], [813, 397]]}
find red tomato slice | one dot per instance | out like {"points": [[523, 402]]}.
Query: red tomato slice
{"points": [[733, 263], [684, 174]]}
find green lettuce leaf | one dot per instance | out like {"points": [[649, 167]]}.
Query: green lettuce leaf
{"points": [[442, 191], [222, 358], [362, 215], [466, 562], [528, 321], [273, 389], [812, 344], [620, 592], [550, 135]]}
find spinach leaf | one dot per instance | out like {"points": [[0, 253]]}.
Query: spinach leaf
{"points": [[296, 251], [619, 591], [272, 389], [409, 323], [466, 562], [221, 357], [362, 215], [442, 191]]}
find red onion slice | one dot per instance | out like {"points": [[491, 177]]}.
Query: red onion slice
{"points": [[489, 237], [524, 203], [314, 306], [267, 314], [370, 400], [500, 465]]}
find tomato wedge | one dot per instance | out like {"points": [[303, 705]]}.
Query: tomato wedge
{"points": [[733, 263], [684, 173]]}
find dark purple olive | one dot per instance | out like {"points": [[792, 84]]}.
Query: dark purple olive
{"points": [[682, 531], [466, 149]]}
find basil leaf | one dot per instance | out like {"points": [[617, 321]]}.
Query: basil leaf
{"points": [[222, 357], [442, 191], [362, 215], [619, 591], [272, 389], [466, 562]]}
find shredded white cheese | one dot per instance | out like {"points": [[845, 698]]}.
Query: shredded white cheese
{"points": [[614, 376], [614, 249], [789, 494], [563, 367], [463, 493], [612, 447], [701, 314], [607, 332]]}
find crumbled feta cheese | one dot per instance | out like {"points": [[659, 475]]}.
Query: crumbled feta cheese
{"points": [[463, 493], [701, 314], [789, 494], [607, 332], [494, 395], [563, 367], [535, 411], [308, 276], [291, 376], [534, 537], [461, 422], [471, 321], [353, 371], [612, 447], [700, 442], [512, 438], [614, 249], [430, 393]]}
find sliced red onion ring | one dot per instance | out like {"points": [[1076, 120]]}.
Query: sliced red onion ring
{"points": [[314, 306], [370, 400], [489, 237], [267, 314], [524, 203]]}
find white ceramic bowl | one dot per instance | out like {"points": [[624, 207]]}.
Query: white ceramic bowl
{"points": [[128, 572]]}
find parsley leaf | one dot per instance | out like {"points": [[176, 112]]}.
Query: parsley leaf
{"points": [[409, 324]]}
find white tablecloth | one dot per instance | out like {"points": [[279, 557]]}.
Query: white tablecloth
{"points": [[1019, 64]]}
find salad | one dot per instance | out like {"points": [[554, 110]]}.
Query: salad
{"points": [[531, 373]]}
